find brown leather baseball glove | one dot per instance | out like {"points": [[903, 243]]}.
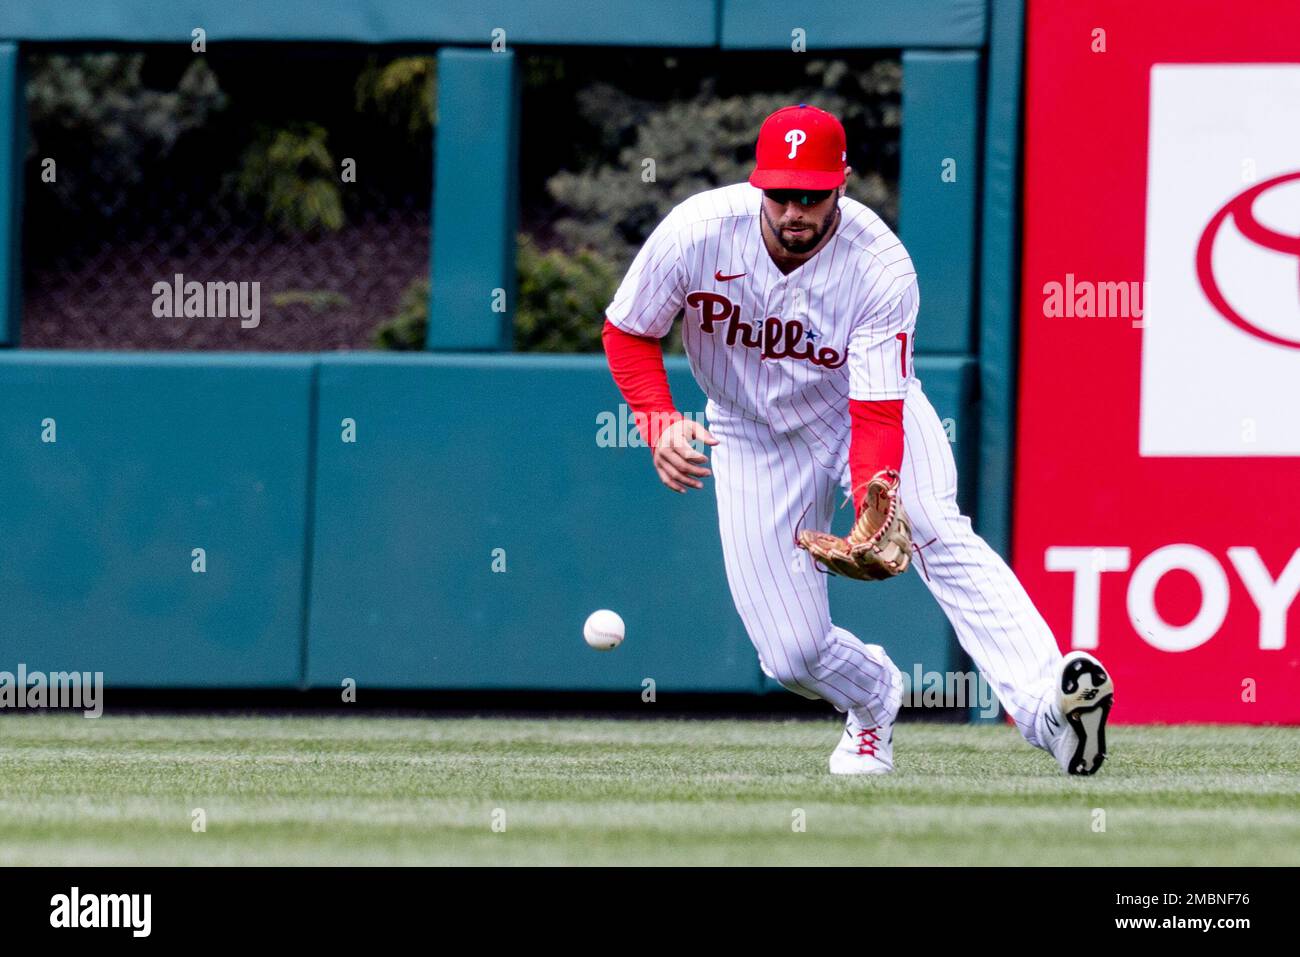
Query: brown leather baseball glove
{"points": [[879, 545]]}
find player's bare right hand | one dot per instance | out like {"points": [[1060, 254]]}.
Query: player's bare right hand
{"points": [[679, 465]]}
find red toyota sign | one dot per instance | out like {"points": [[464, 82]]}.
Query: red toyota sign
{"points": [[1157, 516]]}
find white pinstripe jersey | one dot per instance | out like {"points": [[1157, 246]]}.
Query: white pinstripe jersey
{"points": [[789, 350]]}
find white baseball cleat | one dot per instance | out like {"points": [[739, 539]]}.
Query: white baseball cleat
{"points": [[864, 750], [1076, 725]]}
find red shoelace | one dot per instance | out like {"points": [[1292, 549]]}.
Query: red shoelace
{"points": [[867, 738]]}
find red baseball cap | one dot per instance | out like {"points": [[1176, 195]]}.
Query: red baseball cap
{"points": [[800, 147]]}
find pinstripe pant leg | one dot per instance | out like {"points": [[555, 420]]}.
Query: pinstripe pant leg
{"points": [[766, 483], [995, 620]]}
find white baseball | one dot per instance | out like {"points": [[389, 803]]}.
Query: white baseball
{"points": [[603, 630]]}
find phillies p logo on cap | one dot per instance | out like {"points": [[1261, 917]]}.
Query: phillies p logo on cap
{"points": [[800, 147]]}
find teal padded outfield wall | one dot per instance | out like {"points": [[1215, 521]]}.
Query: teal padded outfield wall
{"points": [[116, 467], [13, 146], [374, 557], [734, 24]]}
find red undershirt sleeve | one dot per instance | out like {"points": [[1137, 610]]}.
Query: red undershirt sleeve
{"points": [[637, 365], [875, 442]]}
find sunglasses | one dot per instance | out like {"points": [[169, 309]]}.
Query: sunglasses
{"points": [[804, 197]]}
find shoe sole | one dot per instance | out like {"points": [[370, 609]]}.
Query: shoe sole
{"points": [[862, 774], [1086, 705]]}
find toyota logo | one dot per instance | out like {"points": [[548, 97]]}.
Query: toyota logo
{"points": [[1240, 208]]}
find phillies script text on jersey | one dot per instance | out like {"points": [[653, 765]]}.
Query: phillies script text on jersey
{"points": [[775, 339]]}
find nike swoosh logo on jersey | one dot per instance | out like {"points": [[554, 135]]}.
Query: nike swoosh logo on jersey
{"points": [[721, 278]]}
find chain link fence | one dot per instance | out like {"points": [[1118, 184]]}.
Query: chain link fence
{"points": [[141, 172], [170, 196]]}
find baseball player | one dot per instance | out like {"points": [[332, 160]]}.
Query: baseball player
{"points": [[798, 310]]}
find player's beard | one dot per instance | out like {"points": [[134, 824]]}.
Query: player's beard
{"points": [[801, 246]]}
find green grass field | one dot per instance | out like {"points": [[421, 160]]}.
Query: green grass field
{"points": [[371, 790]]}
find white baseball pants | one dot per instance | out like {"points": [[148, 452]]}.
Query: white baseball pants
{"points": [[771, 483]]}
